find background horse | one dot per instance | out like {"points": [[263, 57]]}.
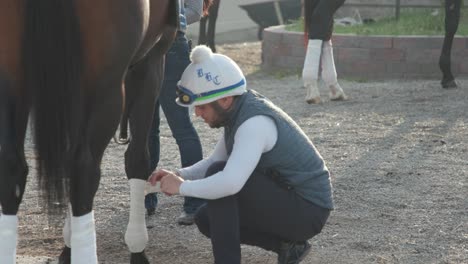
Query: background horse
{"points": [[66, 62], [452, 19], [318, 30], [207, 36], [317, 27]]}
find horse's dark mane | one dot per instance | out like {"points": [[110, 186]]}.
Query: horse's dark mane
{"points": [[52, 60]]}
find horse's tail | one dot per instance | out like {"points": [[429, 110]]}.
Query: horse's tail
{"points": [[53, 64]]}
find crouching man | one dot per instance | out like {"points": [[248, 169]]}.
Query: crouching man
{"points": [[265, 182]]}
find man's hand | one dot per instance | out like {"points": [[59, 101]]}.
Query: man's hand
{"points": [[157, 176], [170, 182]]}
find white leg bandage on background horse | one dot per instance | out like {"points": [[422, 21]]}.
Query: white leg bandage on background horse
{"points": [[83, 240], [8, 238], [66, 231], [329, 75], [136, 236], [310, 72]]}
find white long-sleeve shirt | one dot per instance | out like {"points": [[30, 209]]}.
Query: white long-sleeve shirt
{"points": [[255, 136]]}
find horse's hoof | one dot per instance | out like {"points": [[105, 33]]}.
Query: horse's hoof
{"points": [[65, 256], [340, 97], [449, 84], [121, 140], [139, 258], [315, 100]]}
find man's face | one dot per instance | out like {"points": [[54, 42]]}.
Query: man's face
{"points": [[213, 114]]}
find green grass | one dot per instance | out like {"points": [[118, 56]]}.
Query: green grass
{"points": [[412, 22]]}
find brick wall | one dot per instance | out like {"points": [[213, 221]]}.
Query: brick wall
{"points": [[369, 57]]}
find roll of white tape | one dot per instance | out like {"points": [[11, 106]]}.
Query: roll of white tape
{"points": [[152, 188]]}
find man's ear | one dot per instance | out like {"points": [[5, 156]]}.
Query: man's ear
{"points": [[226, 102]]}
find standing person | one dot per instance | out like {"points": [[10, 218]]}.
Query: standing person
{"points": [[178, 118], [318, 27], [265, 183]]}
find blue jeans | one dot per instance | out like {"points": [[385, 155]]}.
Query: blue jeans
{"points": [[178, 118]]}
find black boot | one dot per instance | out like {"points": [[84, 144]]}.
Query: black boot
{"points": [[293, 252]]}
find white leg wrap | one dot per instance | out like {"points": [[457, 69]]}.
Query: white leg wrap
{"points": [[83, 240], [66, 231], [136, 236], [313, 94], [329, 75], [8, 238], [310, 71]]}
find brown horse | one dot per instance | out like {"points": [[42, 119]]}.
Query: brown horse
{"points": [[66, 63]]}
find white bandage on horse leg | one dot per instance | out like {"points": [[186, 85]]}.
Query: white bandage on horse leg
{"points": [[66, 231], [329, 75], [83, 240], [136, 236], [8, 238], [310, 72]]}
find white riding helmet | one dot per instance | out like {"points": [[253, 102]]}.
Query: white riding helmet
{"points": [[208, 78]]}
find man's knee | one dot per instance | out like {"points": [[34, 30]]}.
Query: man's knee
{"points": [[215, 167], [202, 221]]}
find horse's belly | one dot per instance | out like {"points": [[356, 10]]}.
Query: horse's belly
{"points": [[11, 28]]}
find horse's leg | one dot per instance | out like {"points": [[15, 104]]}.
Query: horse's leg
{"points": [[65, 256], [329, 75], [104, 115], [452, 18], [311, 68], [212, 25], [143, 83], [319, 27], [13, 168], [202, 31]]}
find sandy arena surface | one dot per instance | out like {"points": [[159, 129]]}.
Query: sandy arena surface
{"points": [[398, 152]]}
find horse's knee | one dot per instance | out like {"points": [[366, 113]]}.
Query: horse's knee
{"points": [[85, 177]]}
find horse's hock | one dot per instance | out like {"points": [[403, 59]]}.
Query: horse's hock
{"points": [[368, 57]]}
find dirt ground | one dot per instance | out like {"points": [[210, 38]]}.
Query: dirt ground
{"points": [[397, 151]]}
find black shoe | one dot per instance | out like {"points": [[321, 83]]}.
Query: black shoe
{"points": [[293, 252], [151, 211], [186, 219]]}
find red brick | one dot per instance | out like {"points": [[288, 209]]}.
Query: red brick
{"points": [[388, 55], [416, 42], [355, 41], [463, 68], [352, 54], [423, 55], [361, 67], [293, 38], [459, 43], [272, 36]]}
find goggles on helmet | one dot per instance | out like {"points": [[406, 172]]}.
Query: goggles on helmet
{"points": [[187, 97]]}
